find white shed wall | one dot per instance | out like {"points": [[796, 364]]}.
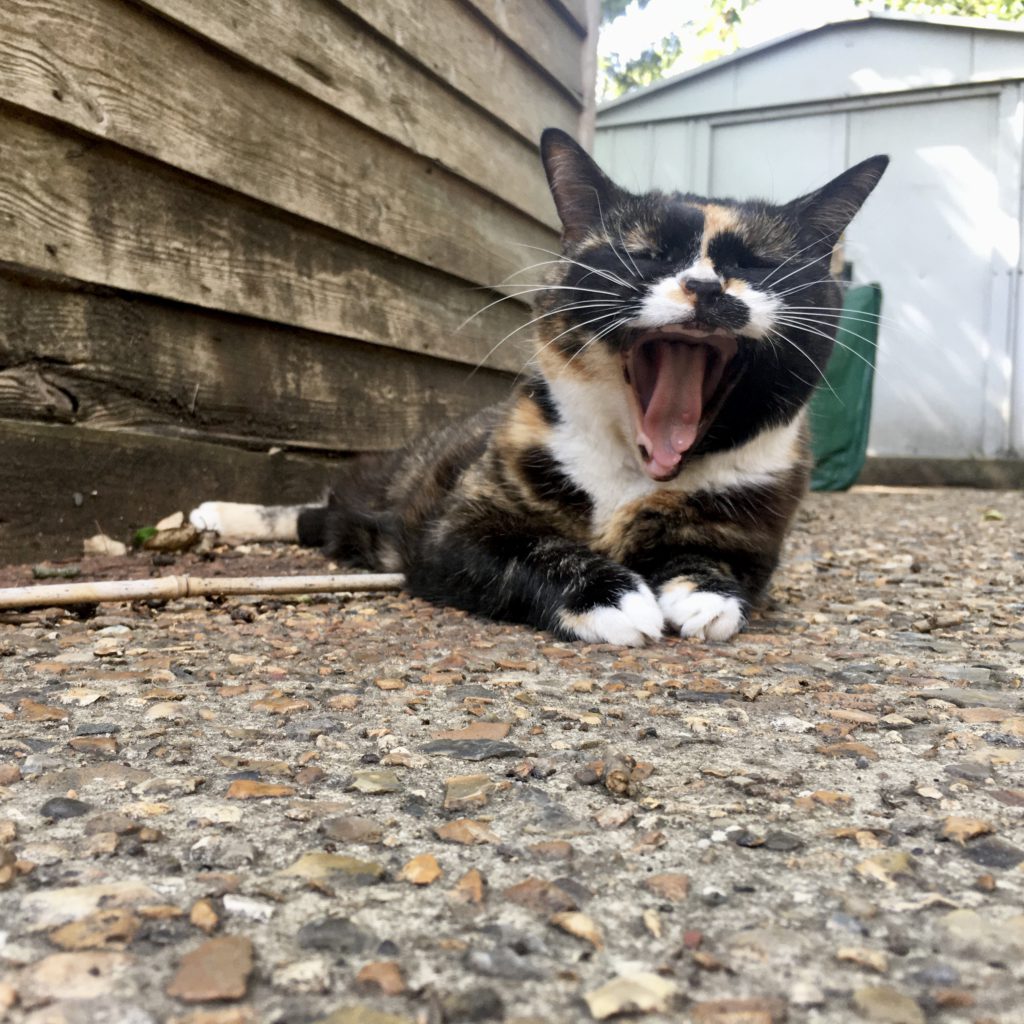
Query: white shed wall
{"points": [[942, 233]]}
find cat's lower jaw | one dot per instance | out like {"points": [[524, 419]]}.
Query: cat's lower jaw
{"points": [[633, 621], [701, 614]]}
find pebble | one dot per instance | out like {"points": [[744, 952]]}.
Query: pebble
{"points": [[885, 1005], [219, 969], [472, 750], [61, 807], [335, 935]]}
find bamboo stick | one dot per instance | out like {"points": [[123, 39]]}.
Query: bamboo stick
{"points": [[166, 588]]}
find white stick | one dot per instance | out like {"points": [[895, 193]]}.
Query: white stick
{"points": [[167, 588]]}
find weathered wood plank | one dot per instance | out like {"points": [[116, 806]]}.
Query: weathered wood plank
{"points": [[543, 34], [576, 10], [96, 213], [105, 361], [59, 483], [111, 70], [465, 52], [336, 58]]}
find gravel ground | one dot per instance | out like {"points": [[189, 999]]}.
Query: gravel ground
{"points": [[371, 811]]}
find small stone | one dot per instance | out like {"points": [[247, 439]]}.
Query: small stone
{"points": [[384, 976], [335, 935], [886, 1005], [111, 821], [960, 830], [247, 789], [473, 750], [350, 828], [204, 917], [995, 853], [782, 842], [738, 1011], [873, 959], [477, 731], [9, 774], [218, 970], [467, 792], [74, 975], [580, 925], [48, 908], [308, 977], [642, 992], [361, 1014], [673, 888], [421, 870], [101, 544], [475, 1004], [104, 929], [887, 866], [105, 745], [389, 684], [540, 896], [470, 888], [248, 907], [335, 867], [615, 816], [467, 832], [375, 781], [553, 850], [60, 807]]}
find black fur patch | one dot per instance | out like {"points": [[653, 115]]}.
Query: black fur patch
{"points": [[537, 390], [550, 484]]}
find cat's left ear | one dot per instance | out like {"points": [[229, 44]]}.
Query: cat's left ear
{"points": [[583, 193], [823, 215]]}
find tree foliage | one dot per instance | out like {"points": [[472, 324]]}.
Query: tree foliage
{"points": [[716, 34]]}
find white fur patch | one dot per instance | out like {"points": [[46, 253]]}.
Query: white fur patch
{"points": [[663, 304], [760, 460], [700, 614], [632, 622], [236, 523], [761, 307]]}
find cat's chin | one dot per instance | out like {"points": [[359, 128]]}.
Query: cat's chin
{"points": [[676, 378]]}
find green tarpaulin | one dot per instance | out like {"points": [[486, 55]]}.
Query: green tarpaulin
{"points": [[841, 409]]}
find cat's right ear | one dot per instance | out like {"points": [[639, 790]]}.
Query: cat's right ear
{"points": [[581, 190]]}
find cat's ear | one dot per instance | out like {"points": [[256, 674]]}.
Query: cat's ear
{"points": [[583, 193], [823, 215]]}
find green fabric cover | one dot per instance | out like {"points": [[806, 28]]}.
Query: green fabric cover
{"points": [[839, 421]]}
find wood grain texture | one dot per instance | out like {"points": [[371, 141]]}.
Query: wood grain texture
{"points": [[113, 71], [93, 212], [544, 34], [59, 483], [110, 362], [464, 51], [334, 57]]}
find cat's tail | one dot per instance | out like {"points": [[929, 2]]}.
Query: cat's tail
{"points": [[238, 523]]}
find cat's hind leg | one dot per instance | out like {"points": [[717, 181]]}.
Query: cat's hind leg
{"points": [[238, 523]]}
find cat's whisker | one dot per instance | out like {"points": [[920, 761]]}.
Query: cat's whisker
{"points": [[799, 252], [571, 307], [810, 329], [808, 263], [607, 274], [608, 237], [536, 288], [821, 373]]}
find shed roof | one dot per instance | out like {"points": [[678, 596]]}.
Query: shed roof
{"points": [[959, 51]]}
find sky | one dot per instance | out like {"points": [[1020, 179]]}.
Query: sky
{"points": [[631, 34]]}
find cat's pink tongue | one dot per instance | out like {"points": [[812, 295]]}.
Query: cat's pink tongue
{"points": [[670, 422]]}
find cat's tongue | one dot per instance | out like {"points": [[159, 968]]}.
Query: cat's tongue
{"points": [[672, 380]]}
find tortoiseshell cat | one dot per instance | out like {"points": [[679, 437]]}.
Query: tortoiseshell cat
{"points": [[644, 475]]}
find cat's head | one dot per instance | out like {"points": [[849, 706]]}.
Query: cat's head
{"points": [[708, 319]]}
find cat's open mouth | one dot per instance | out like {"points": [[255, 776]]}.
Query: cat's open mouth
{"points": [[677, 381]]}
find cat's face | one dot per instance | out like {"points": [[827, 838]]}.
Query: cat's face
{"points": [[700, 322]]}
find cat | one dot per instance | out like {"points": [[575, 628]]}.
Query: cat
{"points": [[645, 470]]}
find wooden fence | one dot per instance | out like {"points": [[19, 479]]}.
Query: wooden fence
{"points": [[258, 224]]}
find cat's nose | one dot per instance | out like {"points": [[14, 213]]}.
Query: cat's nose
{"points": [[703, 287]]}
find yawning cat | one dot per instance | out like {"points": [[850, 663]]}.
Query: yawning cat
{"points": [[643, 476]]}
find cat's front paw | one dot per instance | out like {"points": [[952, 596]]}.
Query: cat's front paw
{"points": [[700, 613], [632, 621]]}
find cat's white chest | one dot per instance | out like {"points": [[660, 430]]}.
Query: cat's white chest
{"points": [[590, 444]]}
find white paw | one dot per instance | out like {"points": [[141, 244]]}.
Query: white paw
{"points": [[208, 516], [701, 614], [632, 622]]}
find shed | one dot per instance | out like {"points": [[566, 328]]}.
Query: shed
{"points": [[942, 234], [238, 238]]}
